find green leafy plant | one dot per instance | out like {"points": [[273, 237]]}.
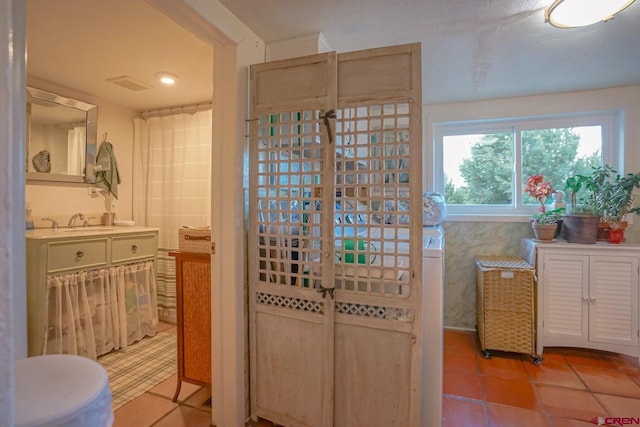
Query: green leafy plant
{"points": [[574, 184], [548, 217], [613, 194]]}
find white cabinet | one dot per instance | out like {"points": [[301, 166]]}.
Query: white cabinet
{"points": [[588, 296], [80, 288]]}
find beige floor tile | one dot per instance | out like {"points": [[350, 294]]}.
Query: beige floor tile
{"points": [[200, 399], [167, 388], [143, 411], [186, 416]]}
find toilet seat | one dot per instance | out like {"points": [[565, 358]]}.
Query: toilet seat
{"points": [[62, 390]]}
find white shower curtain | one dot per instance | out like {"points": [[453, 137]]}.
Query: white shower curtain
{"points": [[76, 142], [172, 187]]}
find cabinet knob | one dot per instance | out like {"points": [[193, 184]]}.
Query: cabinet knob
{"points": [[592, 299], [134, 248], [79, 254], [585, 299]]}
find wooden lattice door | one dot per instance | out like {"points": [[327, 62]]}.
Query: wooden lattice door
{"points": [[335, 312]]}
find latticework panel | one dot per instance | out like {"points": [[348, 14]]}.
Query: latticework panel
{"points": [[372, 198], [290, 302], [375, 311], [290, 175]]}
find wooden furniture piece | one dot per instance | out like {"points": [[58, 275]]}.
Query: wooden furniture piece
{"points": [[505, 300], [66, 251], [588, 295], [193, 299]]}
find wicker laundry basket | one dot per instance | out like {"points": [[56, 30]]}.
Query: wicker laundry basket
{"points": [[505, 312]]}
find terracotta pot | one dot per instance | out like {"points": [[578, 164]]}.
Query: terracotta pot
{"points": [[604, 227], [603, 231], [616, 235], [544, 232]]}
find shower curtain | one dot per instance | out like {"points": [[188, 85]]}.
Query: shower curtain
{"points": [[76, 138], [172, 187]]}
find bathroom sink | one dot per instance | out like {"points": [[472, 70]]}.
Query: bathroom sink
{"points": [[88, 229]]}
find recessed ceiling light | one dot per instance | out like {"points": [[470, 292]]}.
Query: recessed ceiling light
{"points": [[167, 78]]}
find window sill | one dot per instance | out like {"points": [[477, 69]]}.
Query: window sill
{"points": [[488, 218]]}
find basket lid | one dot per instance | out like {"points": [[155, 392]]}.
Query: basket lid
{"points": [[502, 261]]}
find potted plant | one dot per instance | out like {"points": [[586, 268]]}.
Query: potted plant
{"points": [[581, 223], [544, 224], [613, 195]]}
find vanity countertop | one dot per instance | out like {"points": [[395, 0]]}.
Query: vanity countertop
{"points": [[70, 233]]}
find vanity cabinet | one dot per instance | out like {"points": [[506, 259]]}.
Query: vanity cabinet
{"points": [[94, 286], [588, 296], [193, 298]]}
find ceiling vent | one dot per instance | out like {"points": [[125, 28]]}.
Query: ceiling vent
{"points": [[129, 83]]}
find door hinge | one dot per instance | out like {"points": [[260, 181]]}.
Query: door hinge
{"points": [[213, 248]]}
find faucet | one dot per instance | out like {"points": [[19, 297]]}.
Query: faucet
{"points": [[54, 223], [72, 220], [85, 224]]}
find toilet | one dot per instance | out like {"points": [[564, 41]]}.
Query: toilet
{"points": [[62, 390]]}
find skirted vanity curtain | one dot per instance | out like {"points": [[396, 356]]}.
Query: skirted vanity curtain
{"points": [[86, 315], [171, 187]]}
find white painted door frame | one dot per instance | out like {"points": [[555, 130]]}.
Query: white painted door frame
{"points": [[235, 47], [13, 312]]}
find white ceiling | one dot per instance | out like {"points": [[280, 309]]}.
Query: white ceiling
{"points": [[471, 49], [79, 44]]}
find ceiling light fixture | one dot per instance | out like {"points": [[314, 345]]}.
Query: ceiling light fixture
{"points": [[580, 13], [167, 78]]}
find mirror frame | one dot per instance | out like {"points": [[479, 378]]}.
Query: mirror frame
{"points": [[91, 142]]}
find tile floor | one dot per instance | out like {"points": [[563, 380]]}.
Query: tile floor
{"points": [[569, 389]]}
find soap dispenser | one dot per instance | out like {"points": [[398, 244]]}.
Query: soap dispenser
{"points": [[29, 217]]}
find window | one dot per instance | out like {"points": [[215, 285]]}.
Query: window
{"points": [[482, 167]]}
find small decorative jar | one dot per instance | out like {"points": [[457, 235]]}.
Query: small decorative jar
{"points": [[434, 209]]}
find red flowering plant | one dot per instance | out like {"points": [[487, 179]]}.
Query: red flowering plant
{"points": [[540, 190]]}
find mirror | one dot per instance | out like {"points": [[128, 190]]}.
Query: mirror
{"points": [[61, 138]]}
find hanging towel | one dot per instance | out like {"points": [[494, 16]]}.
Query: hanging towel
{"points": [[107, 177]]}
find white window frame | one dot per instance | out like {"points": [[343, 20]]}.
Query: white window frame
{"points": [[611, 122]]}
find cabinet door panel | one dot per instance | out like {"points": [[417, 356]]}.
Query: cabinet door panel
{"points": [[565, 311], [613, 316]]}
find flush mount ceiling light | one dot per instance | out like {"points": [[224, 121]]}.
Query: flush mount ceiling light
{"points": [[167, 78], [580, 13]]}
